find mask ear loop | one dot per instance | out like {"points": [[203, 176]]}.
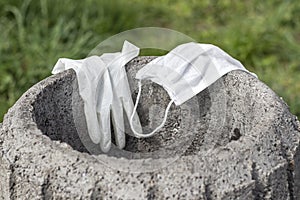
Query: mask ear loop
{"points": [[140, 135]]}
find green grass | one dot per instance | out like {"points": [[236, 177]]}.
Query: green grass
{"points": [[263, 35]]}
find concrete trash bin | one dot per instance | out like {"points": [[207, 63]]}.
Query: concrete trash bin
{"points": [[245, 145]]}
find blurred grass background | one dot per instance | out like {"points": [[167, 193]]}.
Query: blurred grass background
{"points": [[263, 35]]}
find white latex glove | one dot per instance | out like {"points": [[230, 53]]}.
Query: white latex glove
{"points": [[122, 100], [89, 72], [104, 87]]}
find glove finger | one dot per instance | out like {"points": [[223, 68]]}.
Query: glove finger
{"points": [[118, 123], [88, 71], [104, 123], [104, 101], [92, 123], [124, 94]]}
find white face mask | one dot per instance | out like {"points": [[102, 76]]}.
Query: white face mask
{"points": [[185, 71]]}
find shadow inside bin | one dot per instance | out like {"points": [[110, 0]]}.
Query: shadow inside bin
{"points": [[59, 114]]}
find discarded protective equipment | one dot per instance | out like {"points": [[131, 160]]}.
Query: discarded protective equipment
{"points": [[89, 71], [185, 71], [104, 88], [122, 100]]}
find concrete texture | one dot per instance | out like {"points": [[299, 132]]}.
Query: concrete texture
{"points": [[240, 142]]}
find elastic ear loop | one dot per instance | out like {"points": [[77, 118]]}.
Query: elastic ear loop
{"points": [[134, 111]]}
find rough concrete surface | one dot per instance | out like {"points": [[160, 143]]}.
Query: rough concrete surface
{"points": [[245, 145]]}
